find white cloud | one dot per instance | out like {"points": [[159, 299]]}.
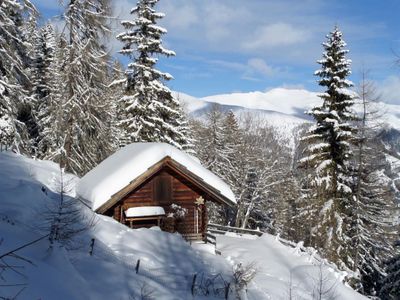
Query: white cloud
{"points": [[254, 69], [180, 17], [390, 89], [277, 35], [258, 66]]}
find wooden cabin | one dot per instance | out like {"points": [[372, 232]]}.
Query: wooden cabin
{"points": [[171, 190]]}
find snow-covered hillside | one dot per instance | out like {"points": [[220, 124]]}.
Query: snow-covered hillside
{"points": [[167, 263]]}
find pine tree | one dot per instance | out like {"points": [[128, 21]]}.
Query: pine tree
{"points": [[50, 93], [391, 284], [212, 153], [46, 84], [115, 91], [329, 153], [152, 114], [14, 80], [215, 155], [186, 138], [86, 108], [374, 206]]}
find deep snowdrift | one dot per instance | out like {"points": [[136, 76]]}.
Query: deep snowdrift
{"points": [[167, 262], [284, 272]]}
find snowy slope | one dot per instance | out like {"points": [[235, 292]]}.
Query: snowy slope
{"points": [[167, 262], [283, 272]]}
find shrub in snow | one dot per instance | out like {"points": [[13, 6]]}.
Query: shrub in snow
{"points": [[146, 293], [63, 218], [324, 285], [242, 276], [177, 212]]}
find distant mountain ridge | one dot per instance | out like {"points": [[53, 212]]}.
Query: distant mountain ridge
{"points": [[279, 106]]}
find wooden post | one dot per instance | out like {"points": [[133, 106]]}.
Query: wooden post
{"points": [[193, 283], [137, 266], [204, 220], [91, 247], [227, 291]]}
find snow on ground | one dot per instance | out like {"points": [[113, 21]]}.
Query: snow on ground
{"points": [[167, 263], [283, 271], [128, 163]]}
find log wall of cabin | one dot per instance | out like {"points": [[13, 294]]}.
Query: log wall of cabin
{"points": [[164, 189]]}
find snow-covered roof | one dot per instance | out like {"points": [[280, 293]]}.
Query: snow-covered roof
{"points": [[144, 211], [128, 163]]}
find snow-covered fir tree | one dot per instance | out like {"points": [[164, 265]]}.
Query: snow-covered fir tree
{"points": [[211, 151], [329, 153], [391, 284], [50, 97], [374, 223], [187, 140], [152, 114], [86, 108], [215, 155], [115, 92], [14, 79], [47, 83]]}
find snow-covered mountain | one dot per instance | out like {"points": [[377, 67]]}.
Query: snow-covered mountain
{"points": [[281, 107]]}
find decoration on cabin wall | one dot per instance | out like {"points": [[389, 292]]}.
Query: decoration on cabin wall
{"points": [[177, 212], [199, 202]]}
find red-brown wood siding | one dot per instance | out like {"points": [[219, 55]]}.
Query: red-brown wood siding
{"points": [[163, 189]]}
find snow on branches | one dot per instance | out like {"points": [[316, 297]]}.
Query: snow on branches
{"points": [[328, 152], [149, 112]]}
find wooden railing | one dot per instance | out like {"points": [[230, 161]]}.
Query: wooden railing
{"points": [[221, 229], [215, 229], [193, 236]]}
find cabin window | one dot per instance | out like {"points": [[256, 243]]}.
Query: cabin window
{"points": [[163, 188]]}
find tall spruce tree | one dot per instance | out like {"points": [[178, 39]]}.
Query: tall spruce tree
{"points": [[46, 85], [51, 97], [85, 102], [390, 289], [152, 114], [210, 138], [329, 153], [374, 209], [15, 82]]}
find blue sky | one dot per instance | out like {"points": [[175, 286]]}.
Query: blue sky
{"points": [[226, 46]]}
